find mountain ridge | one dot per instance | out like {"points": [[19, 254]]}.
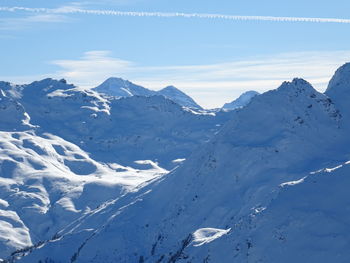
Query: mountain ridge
{"points": [[265, 169], [213, 206]]}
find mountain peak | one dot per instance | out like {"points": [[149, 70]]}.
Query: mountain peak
{"points": [[340, 79], [45, 86], [297, 84], [50, 82], [171, 87], [241, 101], [179, 97], [119, 87], [115, 80], [339, 88]]}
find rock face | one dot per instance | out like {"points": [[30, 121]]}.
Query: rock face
{"points": [[241, 101]]}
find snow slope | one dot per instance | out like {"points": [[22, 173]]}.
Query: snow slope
{"points": [[241, 101], [123, 88], [251, 194], [46, 182]]}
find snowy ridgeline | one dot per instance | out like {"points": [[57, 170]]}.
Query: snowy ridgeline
{"points": [[123, 88], [265, 183]]}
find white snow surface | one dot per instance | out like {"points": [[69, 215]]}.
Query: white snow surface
{"points": [[69, 162], [46, 182], [206, 235], [248, 194]]}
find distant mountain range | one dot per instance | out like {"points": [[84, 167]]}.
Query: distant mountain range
{"points": [[123, 88], [132, 175]]}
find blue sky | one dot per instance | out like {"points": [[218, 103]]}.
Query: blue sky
{"points": [[213, 60]]}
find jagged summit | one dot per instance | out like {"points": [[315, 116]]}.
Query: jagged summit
{"points": [[297, 84], [179, 97], [241, 101]]}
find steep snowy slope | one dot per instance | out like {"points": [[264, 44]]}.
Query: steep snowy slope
{"points": [[123, 88], [179, 97], [241, 101], [119, 130], [204, 211]]}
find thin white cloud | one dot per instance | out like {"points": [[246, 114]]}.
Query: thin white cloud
{"points": [[77, 10], [28, 21], [92, 68], [211, 84]]}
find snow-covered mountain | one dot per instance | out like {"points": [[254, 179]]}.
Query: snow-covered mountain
{"points": [[241, 101], [117, 130], [123, 88], [65, 151], [179, 97], [270, 186]]}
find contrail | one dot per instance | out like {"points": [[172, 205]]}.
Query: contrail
{"points": [[72, 10]]}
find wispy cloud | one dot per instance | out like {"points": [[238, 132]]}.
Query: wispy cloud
{"points": [[77, 10], [92, 67], [16, 23], [211, 84]]}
